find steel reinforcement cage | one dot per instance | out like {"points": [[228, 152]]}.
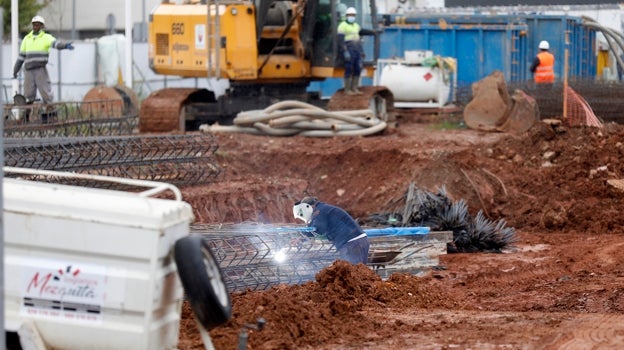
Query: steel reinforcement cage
{"points": [[259, 256]]}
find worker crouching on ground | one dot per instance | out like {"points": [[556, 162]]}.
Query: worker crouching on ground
{"points": [[337, 225], [34, 52], [543, 67]]}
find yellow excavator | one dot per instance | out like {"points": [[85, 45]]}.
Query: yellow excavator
{"points": [[268, 50]]}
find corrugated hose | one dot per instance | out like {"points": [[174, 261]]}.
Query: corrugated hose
{"points": [[288, 118]]}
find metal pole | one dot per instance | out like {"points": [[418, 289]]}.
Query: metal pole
{"points": [[2, 332], [128, 60], [14, 40], [73, 30], [565, 79], [59, 92], [143, 24], [60, 75]]}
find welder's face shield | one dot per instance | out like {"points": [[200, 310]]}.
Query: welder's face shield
{"points": [[303, 211]]}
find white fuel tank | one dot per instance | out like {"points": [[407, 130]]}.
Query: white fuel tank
{"points": [[412, 83], [419, 79]]}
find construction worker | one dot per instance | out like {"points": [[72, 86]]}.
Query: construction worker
{"points": [[543, 64], [349, 34], [337, 225], [34, 53]]}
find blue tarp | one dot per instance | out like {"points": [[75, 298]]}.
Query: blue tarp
{"points": [[397, 231], [372, 232]]}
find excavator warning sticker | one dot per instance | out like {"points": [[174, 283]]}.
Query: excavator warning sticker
{"points": [[200, 37], [53, 289]]}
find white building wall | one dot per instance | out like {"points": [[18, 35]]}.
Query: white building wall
{"points": [[74, 73], [92, 14]]}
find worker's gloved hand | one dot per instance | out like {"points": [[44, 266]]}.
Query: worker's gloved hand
{"points": [[347, 55], [69, 46]]}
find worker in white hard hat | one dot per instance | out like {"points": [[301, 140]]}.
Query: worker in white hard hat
{"points": [[349, 35], [337, 226], [34, 52], [543, 67]]}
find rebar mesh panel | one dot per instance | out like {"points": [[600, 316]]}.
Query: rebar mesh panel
{"points": [[606, 98], [64, 119], [259, 256], [108, 127], [178, 159], [256, 257], [262, 277]]}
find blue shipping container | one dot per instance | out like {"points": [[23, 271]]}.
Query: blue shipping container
{"points": [[482, 44]]}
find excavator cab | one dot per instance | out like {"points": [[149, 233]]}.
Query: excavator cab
{"points": [[327, 46]]}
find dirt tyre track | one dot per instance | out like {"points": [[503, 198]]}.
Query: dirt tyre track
{"points": [[588, 332], [203, 281]]}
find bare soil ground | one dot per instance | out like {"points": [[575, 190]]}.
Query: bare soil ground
{"points": [[560, 287]]}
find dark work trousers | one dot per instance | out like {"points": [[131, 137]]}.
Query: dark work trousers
{"points": [[353, 67], [356, 251]]}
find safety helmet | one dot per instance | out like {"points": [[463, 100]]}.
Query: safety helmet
{"points": [[303, 211], [38, 19], [543, 45], [351, 11]]}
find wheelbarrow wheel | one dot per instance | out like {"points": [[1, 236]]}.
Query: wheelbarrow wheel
{"points": [[203, 281]]}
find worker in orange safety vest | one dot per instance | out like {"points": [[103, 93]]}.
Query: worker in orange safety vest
{"points": [[543, 64]]}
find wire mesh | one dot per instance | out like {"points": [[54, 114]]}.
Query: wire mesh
{"points": [[259, 256], [606, 98], [578, 111], [177, 159], [256, 256], [64, 119]]}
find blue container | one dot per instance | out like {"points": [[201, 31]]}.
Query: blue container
{"points": [[482, 44], [581, 43]]}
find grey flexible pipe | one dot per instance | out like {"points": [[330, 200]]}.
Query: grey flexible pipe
{"points": [[363, 132], [611, 36], [264, 129], [287, 118], [275, 131], [250, 117], [229, 128]]}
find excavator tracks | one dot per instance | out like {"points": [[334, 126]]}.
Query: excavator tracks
{"points": [[161, 110]]}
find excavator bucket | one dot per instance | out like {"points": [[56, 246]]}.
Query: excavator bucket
{"points": [[523, 115], [493, 109]]}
